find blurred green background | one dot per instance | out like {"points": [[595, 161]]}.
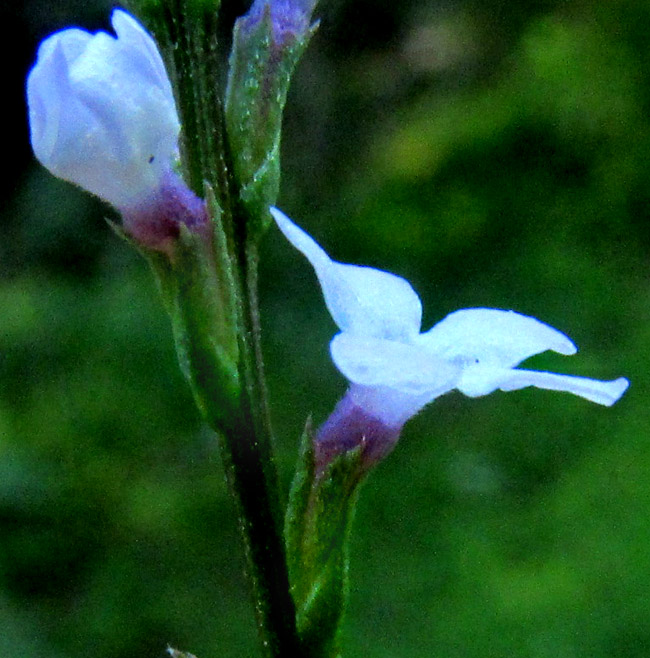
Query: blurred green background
{"points": [[495, 153]]}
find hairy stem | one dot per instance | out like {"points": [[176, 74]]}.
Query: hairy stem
{"points": [[186, 32]]}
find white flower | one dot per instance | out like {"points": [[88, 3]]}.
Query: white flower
{"points": [[395, 370], [102, 112]]}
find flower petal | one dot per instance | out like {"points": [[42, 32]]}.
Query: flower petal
{"points": [[493, 337], [144, 51], [362, 300], [480, 380], [375, 362], [102, 111]]}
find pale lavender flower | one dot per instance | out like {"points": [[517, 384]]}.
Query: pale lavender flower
{"points": [[395, 370], [102, 115]]}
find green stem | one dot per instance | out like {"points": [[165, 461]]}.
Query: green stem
{"points": [[258, 379], [186, 32], [254, 480]]}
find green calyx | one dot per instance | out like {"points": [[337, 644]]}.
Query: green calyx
{"points": [[317, 530], [198, 289]]}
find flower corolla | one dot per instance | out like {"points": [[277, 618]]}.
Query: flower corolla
{"points": [[395, 370], [102, 112]]}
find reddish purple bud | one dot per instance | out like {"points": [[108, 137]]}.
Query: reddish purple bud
{"points": [[288, 17]]}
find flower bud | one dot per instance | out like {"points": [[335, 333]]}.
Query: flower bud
{"points": [[102, 115], [267, 43], [289, 18]]}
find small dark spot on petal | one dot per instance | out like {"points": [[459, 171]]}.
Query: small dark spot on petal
{"points": [[151, 159]]}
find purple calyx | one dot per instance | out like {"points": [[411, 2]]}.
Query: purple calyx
{"points": [[155, 223], [348, 427]]}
